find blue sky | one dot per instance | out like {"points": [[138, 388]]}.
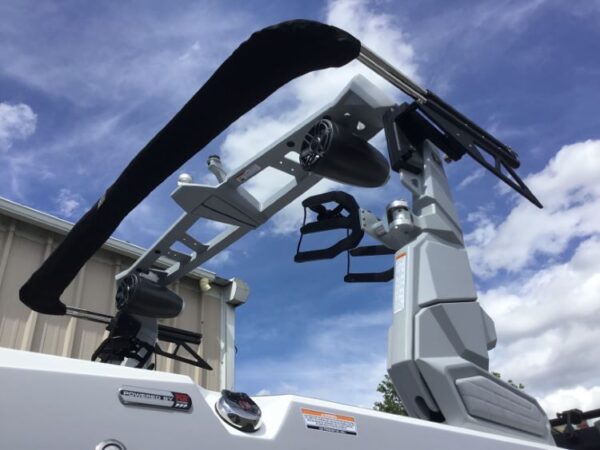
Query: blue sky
{"points": [[83, 89]]}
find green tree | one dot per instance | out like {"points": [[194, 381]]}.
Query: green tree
{"points": [[520, 386], [391, 402]]}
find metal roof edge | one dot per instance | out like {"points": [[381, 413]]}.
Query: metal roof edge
{"points": [[61, 226]]}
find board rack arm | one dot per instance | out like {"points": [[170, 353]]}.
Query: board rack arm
{"points": [[231, 202]]}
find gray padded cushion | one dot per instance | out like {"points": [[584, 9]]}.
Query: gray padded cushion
{"points": [[491, 401]]}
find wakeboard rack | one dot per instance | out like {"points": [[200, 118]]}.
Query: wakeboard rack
{"points": [[360, 107]]}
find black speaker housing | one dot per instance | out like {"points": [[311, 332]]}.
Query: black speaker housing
{"points": [[141, 296], [335, 152]]}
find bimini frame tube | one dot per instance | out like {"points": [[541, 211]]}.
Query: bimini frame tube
{"points": [[459, 134], [381, 67]]}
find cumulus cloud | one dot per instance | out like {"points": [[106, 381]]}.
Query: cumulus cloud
{"points": [[470, 179], [546, 315], [17, 122], [68, 202], [220, 260], [569, 188], [118, 54], [505, 14], [111, 79], [477, 25], [577, 397], [547, 323], [306, 95]]}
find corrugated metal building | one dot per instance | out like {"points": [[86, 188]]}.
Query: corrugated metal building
{"points": [[28, 236]]}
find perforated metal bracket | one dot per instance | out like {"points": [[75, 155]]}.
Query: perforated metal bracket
{"points": [[360, 105]]}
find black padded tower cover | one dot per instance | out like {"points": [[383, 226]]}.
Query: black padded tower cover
{"points": [[265, 62]]}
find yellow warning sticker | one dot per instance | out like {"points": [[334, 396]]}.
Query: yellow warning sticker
{"points": [[324, 421]]}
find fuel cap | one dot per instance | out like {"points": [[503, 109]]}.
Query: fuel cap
{"points": [[239, 411]]}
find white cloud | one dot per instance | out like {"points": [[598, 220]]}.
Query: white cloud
{"points": [[470, 179], [378, 31], [452, 40], [19, 169], [17, 122], [68, 203], [546, 316], [119, 54], [577, 397], [569, 188], [112, 78], [266, 123], [477, 25], [546, 322], [504, 14], [218, 261], [143, 225]]}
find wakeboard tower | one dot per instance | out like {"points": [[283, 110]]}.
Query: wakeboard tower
{"points": [[439, 338]]}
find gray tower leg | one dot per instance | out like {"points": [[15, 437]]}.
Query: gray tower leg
{"points": [[440, 336]]}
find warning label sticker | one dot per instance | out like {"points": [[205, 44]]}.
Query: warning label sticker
{"points": [[248, 173], [399, 281], [324, 421]]}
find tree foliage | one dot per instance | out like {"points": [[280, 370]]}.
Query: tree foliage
{"points": [[391, 402], [520, 386]]}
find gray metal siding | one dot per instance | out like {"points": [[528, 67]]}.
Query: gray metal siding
{"points": [[23, 247]]}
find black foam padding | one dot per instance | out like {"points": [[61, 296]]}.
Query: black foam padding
{"points": [[261, 65], [330, 220]]}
